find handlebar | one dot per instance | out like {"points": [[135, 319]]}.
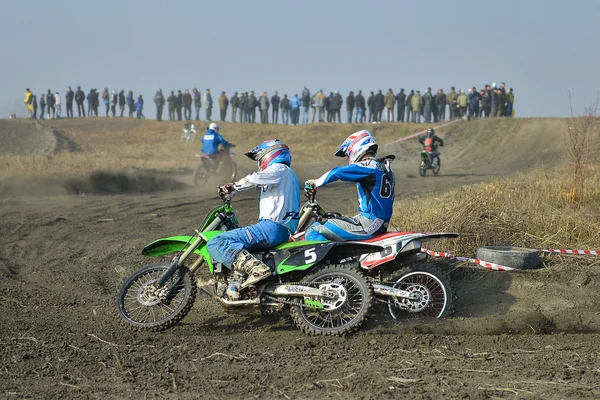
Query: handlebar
{"points": [[225, 193]]}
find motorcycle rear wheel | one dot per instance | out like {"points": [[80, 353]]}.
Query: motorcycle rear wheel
{"points": [[434, 287], [200, 174], [345, 319], [139, 309]]}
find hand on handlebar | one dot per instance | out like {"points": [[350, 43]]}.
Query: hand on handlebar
{"points": [[310, 186]]}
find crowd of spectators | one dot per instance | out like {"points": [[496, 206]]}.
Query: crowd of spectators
{"points": [[491, 101]]}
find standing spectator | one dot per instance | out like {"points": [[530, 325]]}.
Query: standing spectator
{"points": [[372, 109], [440, 104], [305, 104], [390, 102], [462, 102], [27, 102], [114, 99], [409, 105], [69, 100], [484, 110], [320, 105], [139, 107], [179, 105], [328, 106], [34, 105], [159, 100], [510, 100], [379, 105], [197, 103], [57, 104], [295, 104], [251, 103], [223, 104], [359, 104], [235, 104], [452, 103], [400, 105], [42, 106], [187, 105], [494, 102], [79, 99], [336, 105], [130, 103], [122, 101], [501, 102], [417, 106], [285, 110], [275, 100], [427, 103], [244, 107], [106, 100], [50, 101], [90, 102], [263, 105], [208, 104], [172, 104], [474, 98], [350, 104], [313, 106]]}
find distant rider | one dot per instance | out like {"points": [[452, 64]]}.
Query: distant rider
{"points": [[430, 142], [279, 212], [375, 183], [211, 141]]}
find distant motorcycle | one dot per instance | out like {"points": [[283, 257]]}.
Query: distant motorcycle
{"points": [[220, 165], [188, 134], [431, 161]]}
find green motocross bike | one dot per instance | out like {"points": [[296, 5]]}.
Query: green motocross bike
{"points": [[324, 295]]}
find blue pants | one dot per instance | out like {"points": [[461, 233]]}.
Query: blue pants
{"points": [[441, 112], [295, 115], [197, 113], [265, 234], [427, 112], [285, 116], [359, 115], [341, 229], [305, 115]]}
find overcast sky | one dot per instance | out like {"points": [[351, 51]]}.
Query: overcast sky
{"points": [[540, 48]]}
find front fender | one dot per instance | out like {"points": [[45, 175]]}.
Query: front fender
{"points": [[175, 244]]}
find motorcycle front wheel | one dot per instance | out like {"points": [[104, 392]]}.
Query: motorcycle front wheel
{"points": [[434, 290], [140, 307], [200, 174], [422, 168], [345, 312]]}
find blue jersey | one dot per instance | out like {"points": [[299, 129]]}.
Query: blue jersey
{"points": [[211, 141], [375, 187]]}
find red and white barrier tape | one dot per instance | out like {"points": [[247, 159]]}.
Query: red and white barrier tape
{"points": [[485, 264], [563, 251], [497, 267]]}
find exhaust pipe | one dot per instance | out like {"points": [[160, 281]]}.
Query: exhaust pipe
{"points": [[388, 291]]}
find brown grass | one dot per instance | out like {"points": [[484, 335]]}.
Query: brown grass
{"points": [[530, 211], [115, 144]]}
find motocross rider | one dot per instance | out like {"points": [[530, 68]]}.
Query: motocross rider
{"points": [[430, 142], [375, 183], [211, 141], [279, 212]]}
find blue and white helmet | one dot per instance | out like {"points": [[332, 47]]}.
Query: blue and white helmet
{"points": [[357, 145], [270, 152]]}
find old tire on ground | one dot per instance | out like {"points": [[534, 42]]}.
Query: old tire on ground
{"points": [[139, 310], [434, 287], [349, 316], [513, 257]]}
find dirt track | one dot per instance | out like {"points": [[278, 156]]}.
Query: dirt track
{"points": [[532, 335]]}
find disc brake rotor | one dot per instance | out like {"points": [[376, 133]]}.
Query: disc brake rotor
{"points": [[422, 301], [147, 295], [336, 295]]}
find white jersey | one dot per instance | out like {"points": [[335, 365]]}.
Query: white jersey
{"points": [[279, 195]]}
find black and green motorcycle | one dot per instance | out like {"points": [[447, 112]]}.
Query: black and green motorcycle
{"points": [[324, 295]]}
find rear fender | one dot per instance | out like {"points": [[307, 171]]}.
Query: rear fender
{"points": [[300, 256], [394, 243]]}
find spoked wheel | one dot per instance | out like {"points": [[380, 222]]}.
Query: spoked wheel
{"points": [[422, 168], [200, 174], [347, 308], [228, 171], [141, 306], [436, 170], [434, 293]]}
